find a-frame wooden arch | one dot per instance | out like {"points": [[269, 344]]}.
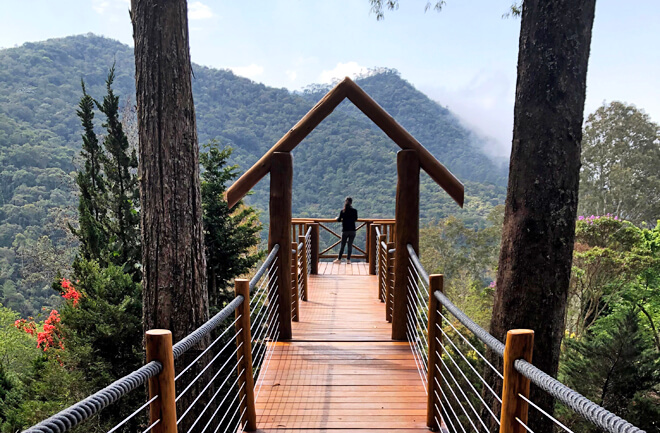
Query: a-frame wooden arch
{"points": [[279, 163], [347, 89]]}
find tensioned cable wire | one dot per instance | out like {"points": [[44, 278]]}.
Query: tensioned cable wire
{"points": [[209, 365], [208, 405], [212, 417], [524, 425], [457, 350], [421, 306], [259, 323], [467, 381], [264, 350], [470, 344], [417, 276], [265, 283], [148, 429], [460, 389], [209, 348], [265, 341], [418, 359], [552, 418], [448, 418], [418, 333], [205, 388], [238, 424], [259, 273], [234, 414], [238, 407], [128, 418], [458, 420], [460, 404], [270, 356], [417, 323]]}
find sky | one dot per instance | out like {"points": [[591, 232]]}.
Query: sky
{"points": [[464, 57]]}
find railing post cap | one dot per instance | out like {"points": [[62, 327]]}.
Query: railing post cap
{"points": [[158, 332], [241, 280], [520, 332]]}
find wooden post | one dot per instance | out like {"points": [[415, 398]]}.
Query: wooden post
{"points": [[295, 290], [519, 345], [373, 249], [389, 282], [279, 232], [382, 267], [315, 248], [406, 232], [435, 284], [367, 243], [244, 355], [302, 239], [159, 348]]}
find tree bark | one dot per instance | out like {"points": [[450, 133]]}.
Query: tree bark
{"points": [[541, 204], [175, 295]]}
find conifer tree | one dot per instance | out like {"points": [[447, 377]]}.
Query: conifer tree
{"points": [[230, 234], [123, 194], [92, 233]]}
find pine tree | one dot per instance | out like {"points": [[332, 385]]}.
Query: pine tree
{"points": [[230, 234], [614, 365], [92, 233], [123, 194]]}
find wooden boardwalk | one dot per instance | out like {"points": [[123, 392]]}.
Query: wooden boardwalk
{"points": [[341, 370]]}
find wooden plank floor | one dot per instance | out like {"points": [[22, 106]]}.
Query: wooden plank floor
{"points": [[355, 268], [341, 372]]}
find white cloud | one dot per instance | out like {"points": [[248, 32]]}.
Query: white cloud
{"points": [[100, 6], [349, 69], [484, 103], [252, 71], [199, 11], [292, 75]]}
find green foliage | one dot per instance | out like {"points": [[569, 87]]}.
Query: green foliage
{"points": [[616, 366], [468, 258], [620, 160], [92, 213], [120, 169], [230, 235], [613, 261], [345, 155]]}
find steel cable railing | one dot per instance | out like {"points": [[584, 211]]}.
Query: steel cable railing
{"points": [[213, 363], [459, 388]]}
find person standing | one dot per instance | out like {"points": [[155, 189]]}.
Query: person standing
{"points": [[347, 217]]}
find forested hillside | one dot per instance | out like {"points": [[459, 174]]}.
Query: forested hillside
{"points": [[40, 138]]}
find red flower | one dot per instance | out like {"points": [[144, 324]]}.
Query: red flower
{"points": [[70, 292]]}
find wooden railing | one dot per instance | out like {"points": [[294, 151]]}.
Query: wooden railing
{"points": [[330, 236]]}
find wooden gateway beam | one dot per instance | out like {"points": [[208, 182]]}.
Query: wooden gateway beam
{"points": [[405, 140], [348, 89], [287, 143]]}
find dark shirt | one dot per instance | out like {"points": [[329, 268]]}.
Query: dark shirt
{"points": [[348, 219]]}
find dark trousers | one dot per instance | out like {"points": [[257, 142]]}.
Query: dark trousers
{"points": [[350, 237]]}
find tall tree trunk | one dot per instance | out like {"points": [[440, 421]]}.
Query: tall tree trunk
{"points": [[175, 295], [541, 204]]}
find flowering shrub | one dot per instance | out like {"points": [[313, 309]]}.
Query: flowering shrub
{"points": [[69, 292], [590, 219], [51, 336], [29, 327]]}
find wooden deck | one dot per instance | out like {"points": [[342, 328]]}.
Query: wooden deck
{"points": [[330, 268], [341, 370]]}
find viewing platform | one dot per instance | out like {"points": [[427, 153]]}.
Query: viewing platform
{"points": [[341, 369]]}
